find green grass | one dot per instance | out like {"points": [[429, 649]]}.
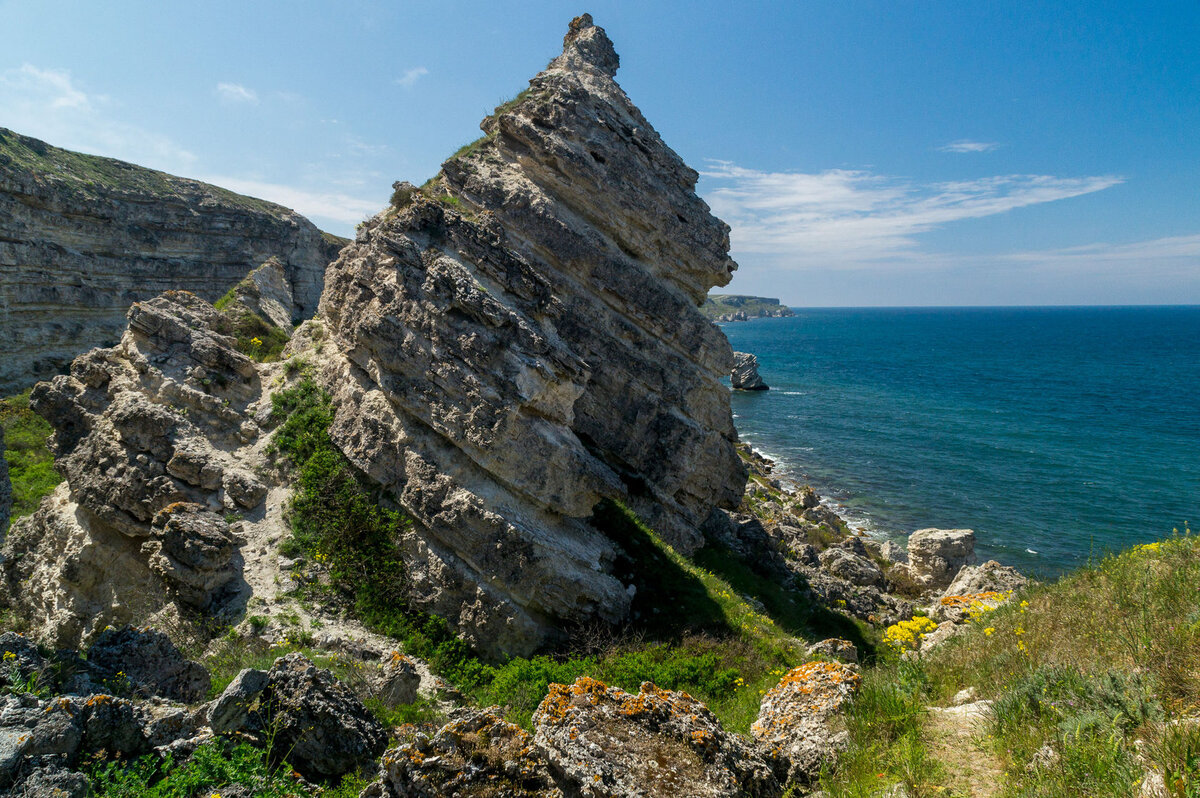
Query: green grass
{"points": [[215, 765], [30, 464]]}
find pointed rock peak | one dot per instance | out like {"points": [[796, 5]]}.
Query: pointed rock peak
{"points": [[587, 45]]}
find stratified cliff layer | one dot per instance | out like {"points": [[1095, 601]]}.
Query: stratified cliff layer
{"points": [[83, 237], [520, 340]]}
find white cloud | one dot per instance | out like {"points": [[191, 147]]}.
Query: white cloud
{"points": [[49, 104], [966, 145], [411, 76], [342, 208], [1183, 251], [844, 217], [237, 93]]}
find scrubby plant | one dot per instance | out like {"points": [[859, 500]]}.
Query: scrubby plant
{"points": [[214, 766], [30, 463]]}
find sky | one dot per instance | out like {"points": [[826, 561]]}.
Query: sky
{"points": [[863, 153]]}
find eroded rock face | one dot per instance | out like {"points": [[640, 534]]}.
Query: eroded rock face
{"points": [[527, 344], [799, 726], [154, 439], [82, 238], [150, 663], [744, 374], [602, 741], [937, 555], [989, 577]]}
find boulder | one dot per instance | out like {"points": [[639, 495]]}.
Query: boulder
{"points": [[398, 680], [19, 657], [149, 663], [855, 568], [115, 725], [937, 555], [894, 552], [33, 733], [602, 741], [238, 706], [316, 723], [50, 780], [991, 577], [476, 753], [800, 724], [744, 374], [835, 648], [194, 555]]}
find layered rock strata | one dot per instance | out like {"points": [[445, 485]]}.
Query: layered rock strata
{"points": [[82, 238], [520, 340], [744, 375]]}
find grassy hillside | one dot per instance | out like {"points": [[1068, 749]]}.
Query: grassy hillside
{"points": [[1095, 684], [30, 464]]}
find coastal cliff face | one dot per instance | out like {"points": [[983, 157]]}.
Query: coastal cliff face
{"points": [[83, 237], [505, 350], [519, 340]]}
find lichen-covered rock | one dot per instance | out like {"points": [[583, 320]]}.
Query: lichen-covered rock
{"points": [[991, 577], [476, 755], [744, 374], [398, 680], [602, 741], [33, 733], [150, 663], [937, 555], [113, 724], [521, 340], [315, 722], [835, 648], [79, 244], [799, 726]]}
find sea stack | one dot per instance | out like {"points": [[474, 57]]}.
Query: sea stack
{"points": [[744, 374]]}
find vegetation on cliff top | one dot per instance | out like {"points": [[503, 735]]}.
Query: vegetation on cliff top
{"points": [[1095, 681], [720, 304], [30, 464]]}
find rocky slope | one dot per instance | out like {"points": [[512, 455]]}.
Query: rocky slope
{"points": [[83, 237], [520, 340]]}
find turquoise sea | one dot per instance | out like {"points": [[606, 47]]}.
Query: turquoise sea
{"points": [[1055, 433]]}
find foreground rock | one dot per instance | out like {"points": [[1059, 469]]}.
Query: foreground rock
{"points": [[149, 664], [602, 741], [84, 237], [744, 375], [520, 341], [991, 577], [799, 726]]}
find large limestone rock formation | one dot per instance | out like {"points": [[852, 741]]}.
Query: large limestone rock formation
{"points": [[82, 238], [520, 340]]}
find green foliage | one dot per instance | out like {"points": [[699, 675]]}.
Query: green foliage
{"points": [[256, 337], [30, 463], [214, 766], [719, 304]]}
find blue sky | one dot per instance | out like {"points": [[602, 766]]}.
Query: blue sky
{"points": [[912, 153]]}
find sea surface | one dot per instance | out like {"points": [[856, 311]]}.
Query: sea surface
{"points": [[1057, 434]]}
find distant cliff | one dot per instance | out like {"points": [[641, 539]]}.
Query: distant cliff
{"points": [[734, 307], [83, 237]]}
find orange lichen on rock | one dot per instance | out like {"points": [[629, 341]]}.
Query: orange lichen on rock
{"points": [[968, 599]]}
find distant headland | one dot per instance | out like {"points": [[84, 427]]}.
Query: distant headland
{"points": [[735, 307]]}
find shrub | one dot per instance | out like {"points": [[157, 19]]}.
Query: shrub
{"points": [[30, 463]]}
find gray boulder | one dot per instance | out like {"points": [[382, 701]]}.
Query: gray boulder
{"points": [[194, 555], [32, 732], [851, 566], [937, 555], [150, 663], [744, 375], [238, 705], [986, 578], [835, 648], [50, 780], [398, 680]]}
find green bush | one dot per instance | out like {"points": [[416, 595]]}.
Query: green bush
{"points": [[214, 766], [30, 463]]}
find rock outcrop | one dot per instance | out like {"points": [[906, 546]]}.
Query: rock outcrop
{"points": [[744, 374], [724, 308], [520, 340], [935, 556], [82, 238]]}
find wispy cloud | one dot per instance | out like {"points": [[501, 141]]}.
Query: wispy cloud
{"points": [[966, 145], [50, 104], [1183, 250], [849, 216], [411, 76], [339, 207], [237, 93]]}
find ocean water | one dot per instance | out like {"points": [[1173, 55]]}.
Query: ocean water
{"points": [[1057, 434]]}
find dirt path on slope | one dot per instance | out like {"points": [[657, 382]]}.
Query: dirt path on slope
{"points": [[956, 738]]}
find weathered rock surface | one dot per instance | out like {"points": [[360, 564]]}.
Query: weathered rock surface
{"points": [[602, 741], [744, 374], [150, 663], [527, 344], [937, 555], [799, 726], [991, 577], [835, 648], [82, 238], [267, 292], [150, 435], [476, 754]]}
